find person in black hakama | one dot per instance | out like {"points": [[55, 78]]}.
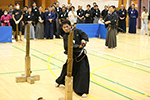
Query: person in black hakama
{"points": [[80, 70], [40, 25], [30, 20], [96, 14], [122, 13], [35, 11], [110, 22]]}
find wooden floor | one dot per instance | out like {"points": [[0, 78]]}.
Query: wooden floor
{"points": [[121, 74]]}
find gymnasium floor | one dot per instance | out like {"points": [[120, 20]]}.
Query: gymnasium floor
{"points": [[121, 74]]}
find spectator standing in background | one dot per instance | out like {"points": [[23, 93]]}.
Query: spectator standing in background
{"points": [[63, 15], [80, 13], [30, 20], [96, 14], [68, 8], [40, 25], [23, 20], [10, 12], [54, 23], [133, 15], [92, 11], [88, 15], [144, 18], [49, 23], [35, 11], [72, 15], [5, 19], [24, 13], [54, 4], [94, 3], [17, 17], [105, 11], [122, 13], [130, 7]]}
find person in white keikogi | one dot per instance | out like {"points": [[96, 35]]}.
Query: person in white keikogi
{"points": [[144, 18]]}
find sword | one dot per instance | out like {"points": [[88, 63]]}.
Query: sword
{"points": [[120, 29]]}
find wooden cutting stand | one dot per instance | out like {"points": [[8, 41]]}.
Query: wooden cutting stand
{"points": [[69, 78], [27, 76]]}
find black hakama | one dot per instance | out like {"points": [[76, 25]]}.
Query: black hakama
{"points": [[80, 70], [80, 73], [111, 38]]}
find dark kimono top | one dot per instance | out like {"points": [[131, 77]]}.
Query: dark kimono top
{"points": [[41, 16], [122, 13], [88, 12], [113, 18], [63, 15], [133, 13], [29, 17], [104, 13], [96, 13], [80, 13], [58, 10], [35, 11], [78, 36], [50, 15], [24, 16]]}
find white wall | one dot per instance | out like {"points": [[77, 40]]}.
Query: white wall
{"points": [[101, 3], [63, 2]]}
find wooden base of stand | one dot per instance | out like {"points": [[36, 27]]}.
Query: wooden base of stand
{"points": [[27, 77], [30, 79], [68, 88]]}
